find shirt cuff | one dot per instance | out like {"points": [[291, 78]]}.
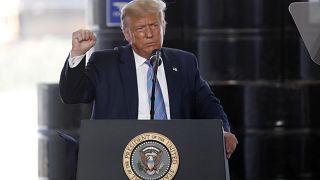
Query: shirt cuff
{"points": [[74, 61]]}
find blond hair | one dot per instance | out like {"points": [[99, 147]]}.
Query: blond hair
{"points": [[141, 8]]}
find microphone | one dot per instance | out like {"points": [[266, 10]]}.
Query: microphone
{"points": [[156, 57], [155, 61]]}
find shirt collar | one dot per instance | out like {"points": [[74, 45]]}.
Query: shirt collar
{"points": [[139, 60]]}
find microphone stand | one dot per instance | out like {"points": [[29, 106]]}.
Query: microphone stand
{"points": [[155, 66]]}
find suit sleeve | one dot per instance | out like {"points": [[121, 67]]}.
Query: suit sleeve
{"points": [[77, 84], [207, 104]]}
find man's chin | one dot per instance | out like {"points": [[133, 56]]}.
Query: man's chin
{"points": [[150, 49]]}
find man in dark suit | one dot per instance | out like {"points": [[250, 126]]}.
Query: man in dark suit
{"points": [[116, 80]]}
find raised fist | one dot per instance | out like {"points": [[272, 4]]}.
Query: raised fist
{"points": [[82, 41]]}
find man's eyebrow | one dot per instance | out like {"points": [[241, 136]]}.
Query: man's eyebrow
{"points": [[140, 25], [152, 23]]}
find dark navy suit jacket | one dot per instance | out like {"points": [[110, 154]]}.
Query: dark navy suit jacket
{"points": [[110, 81]]}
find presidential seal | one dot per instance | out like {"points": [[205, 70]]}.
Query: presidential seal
{"points": [[150, 156]]}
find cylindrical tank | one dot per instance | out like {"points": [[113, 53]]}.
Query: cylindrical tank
{"points": [[313, 146], [276, 154], [278, 131], [237, 55], [232, 99], [53, 116], [312, 90], [270, 105], [236, 40], [231, 96]]}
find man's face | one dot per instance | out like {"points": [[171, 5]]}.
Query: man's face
{"points": [[145, 34]]}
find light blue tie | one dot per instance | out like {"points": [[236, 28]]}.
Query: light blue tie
{"points": [[159, 107]]}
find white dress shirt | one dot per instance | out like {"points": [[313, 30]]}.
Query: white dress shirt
{"points": [[142, 70]]}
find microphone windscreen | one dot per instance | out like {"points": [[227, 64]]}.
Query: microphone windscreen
{"points": [[154, 55]]}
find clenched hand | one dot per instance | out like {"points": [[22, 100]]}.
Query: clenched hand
{"points": [[82, 41]]}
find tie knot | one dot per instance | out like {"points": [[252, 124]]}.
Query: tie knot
{"points": [[148, 63]]}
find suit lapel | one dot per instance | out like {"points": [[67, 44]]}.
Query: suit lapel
{"points": [[129, 80], [172, 70]]}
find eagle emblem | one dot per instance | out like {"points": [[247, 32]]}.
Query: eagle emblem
{"points": [[150, 156], [150, 160]]}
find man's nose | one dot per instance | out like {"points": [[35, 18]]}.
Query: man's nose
{"points": [[148, 32]]}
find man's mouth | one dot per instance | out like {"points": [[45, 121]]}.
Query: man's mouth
{"points": [[151, 44]]}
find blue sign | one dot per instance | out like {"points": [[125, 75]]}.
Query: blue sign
{"points": [[113, 12]]}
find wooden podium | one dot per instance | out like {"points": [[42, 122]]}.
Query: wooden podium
{"points": [[108, 149]]}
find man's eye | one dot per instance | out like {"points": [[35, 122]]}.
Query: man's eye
{"points": [[139, 29], [155, 25]]}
